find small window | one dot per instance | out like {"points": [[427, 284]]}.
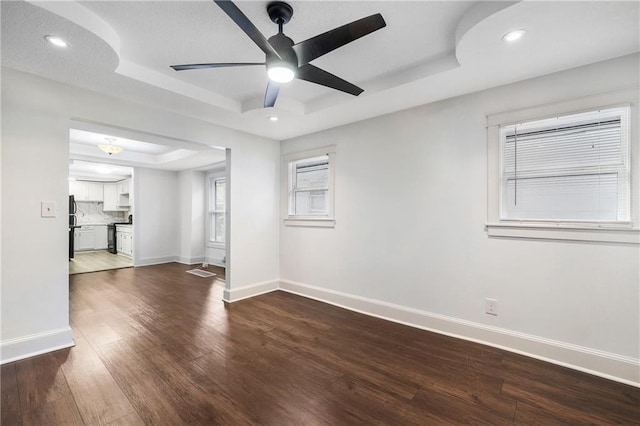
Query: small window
{"points": [[571, 168], [217, 194], [310, 188], [557, 174]]}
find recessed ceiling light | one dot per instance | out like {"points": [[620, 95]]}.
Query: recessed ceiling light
{"points": [[56, 41], [273, 118], [513, 35]]}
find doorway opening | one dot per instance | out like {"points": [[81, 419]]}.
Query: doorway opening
{"points": [[161, 207]]}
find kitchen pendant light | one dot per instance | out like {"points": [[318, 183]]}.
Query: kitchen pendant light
{"points": [[110, 148]]}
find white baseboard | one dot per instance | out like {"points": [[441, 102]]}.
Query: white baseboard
{"points": [[190, 260], [35, 344], [604, 364], [155, 260], [236, 294]]}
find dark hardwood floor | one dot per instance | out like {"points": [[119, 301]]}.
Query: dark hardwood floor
{"points": [[155, 345]]}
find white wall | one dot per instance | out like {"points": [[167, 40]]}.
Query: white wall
{"points": [[409, 243], [36, 116], [192, 186], [35, 168], [156, 227]]}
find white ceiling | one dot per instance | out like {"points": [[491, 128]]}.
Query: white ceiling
{"points": [[428, 51], [139, 150], [98, 172]]}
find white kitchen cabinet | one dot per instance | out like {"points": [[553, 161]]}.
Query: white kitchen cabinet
{"points": [[125, 193], [86, 191], [100, 237], [84, 238], [79, 190], [111, 198], [124, 186], [95, 191], [124, 240]]}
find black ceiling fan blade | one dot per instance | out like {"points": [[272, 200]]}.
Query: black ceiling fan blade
{"points": [[324, 43], [316, 75], [271, 94], [247, 26], [217, 65]]}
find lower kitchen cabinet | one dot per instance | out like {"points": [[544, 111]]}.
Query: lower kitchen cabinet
{"points": [[84, 238], [124, 240], [100, 237]]}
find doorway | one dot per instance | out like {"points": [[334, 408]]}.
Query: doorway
{"points": [[160, 211]]}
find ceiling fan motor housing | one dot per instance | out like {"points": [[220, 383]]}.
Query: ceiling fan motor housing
{"points": [[282, 44], [279, 12]]}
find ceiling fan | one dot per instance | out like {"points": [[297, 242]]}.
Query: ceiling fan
{"points": [[284, 59]]}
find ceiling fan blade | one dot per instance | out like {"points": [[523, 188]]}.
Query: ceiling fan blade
{"points": [[271, 94], [247, 26], [319, 76], [324, 43], [219, 65]]}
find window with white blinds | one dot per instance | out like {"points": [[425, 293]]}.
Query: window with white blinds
{"points": [[570, 168], [309, 179], [309, 187]]}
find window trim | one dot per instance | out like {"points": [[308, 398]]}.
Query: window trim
{"points": [[211, 180], [604, 231], [327, 221]]}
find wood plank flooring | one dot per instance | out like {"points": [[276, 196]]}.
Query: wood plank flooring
{"points": [[93, 261], [155, 345]]}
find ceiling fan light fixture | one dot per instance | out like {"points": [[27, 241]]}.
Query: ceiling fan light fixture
{"points": [[281, 72]]}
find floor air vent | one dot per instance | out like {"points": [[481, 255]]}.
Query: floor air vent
{"points": [[201, 273]]}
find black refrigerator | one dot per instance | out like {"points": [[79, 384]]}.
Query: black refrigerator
{"points": [[73, 224]]}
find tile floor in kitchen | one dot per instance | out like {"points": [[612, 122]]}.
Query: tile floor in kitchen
{"points": [[101, 260]]}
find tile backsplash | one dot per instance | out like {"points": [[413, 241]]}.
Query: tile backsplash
{"points": [[91, 212]]}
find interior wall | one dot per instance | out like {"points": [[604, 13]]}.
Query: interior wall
{"points": [[35, 168], [36, 116], [192, 216], [410, 209], [157, 234]]}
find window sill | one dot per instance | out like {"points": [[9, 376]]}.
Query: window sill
{"points": [[311, 222], [607, 234], [216, 245]]}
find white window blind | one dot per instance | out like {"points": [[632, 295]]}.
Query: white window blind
{"points": [[569, 168], [310, 186], [217, 210]]}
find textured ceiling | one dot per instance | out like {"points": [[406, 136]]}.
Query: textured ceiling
{"points": [[429, 50]]}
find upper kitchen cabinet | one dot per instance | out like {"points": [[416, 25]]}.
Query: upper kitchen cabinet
{"points": [[86, 191], [124, 187], [125, 193], [112, 198]]}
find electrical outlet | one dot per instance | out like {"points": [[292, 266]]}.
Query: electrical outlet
{"points": [[491, 306]]}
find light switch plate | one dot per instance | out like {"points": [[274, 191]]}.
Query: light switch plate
{"points": [[48, 209]]}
